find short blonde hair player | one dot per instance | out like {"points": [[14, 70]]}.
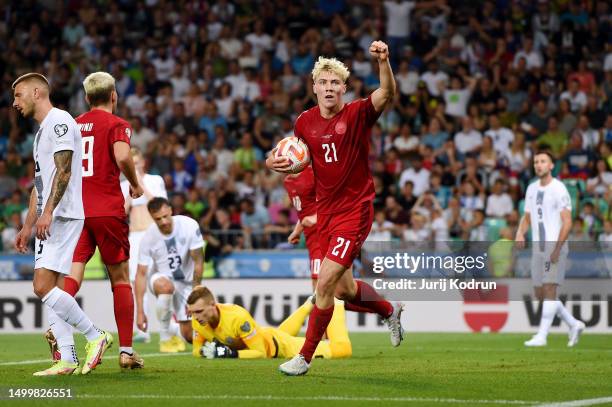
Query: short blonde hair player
{"points": [[56, 209]]}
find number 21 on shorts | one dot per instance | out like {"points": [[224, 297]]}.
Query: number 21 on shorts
{"points": [[343, 244]]}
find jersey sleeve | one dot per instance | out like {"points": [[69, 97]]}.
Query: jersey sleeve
{"points": [[528, 200], [297, 128], [367, 111], [246, 329], [120, 132], [62, 134], [564, 201], [200, 336], [195, 238]]}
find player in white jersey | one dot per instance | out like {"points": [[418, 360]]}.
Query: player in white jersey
{"points": [[139, 217], [548, 210], [172, 247], [56, 209]]}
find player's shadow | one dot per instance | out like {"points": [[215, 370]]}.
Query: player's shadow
{"points": [[384, 382]]}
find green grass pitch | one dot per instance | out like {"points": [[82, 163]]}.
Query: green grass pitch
{"points": [[426, 370]]}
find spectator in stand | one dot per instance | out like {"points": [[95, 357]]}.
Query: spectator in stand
{"points": [[382, 229], [468, 141], [576, 97], [554, 139], [499, 203]]}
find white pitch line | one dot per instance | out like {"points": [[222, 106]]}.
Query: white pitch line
{"points": [[517, 349], [305, 398], [37, 361], [578, 403]]}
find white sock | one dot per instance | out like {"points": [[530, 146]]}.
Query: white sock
{"points": [[565, 315], [174, 328], [63, 335], [164, 314], [68, 310], [126, 349], [549, 309]]}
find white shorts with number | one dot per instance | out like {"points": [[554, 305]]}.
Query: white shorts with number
{"points": [[56, 252], [182, 290], [543, 271]]}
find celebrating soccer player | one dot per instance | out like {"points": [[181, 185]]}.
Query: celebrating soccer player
{"points": [[56, 209], [337, 135], [229, 331], [548, 209], [172, 246]]}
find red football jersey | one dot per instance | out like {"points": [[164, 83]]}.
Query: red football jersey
{"points": [[301, 191], [101, 188], [339, 150]]}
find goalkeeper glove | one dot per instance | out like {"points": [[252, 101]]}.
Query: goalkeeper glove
{"points": [[215, 350]]}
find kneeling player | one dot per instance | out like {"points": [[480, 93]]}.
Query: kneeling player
{"points": [[173, 247], [229, 331]]}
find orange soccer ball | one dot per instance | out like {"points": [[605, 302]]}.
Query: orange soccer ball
{"points": [[296, 151]]}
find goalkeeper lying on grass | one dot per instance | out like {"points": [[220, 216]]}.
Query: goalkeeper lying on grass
{"points": [[229, 331]]}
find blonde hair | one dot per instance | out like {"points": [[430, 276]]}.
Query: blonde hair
{"points": [[330, 65], [99, 87], [32, 76]]}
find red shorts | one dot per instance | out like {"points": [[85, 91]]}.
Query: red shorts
{"points": [[341, 235], [110, 234]]}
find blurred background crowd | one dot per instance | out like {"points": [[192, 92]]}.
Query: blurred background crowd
{"points": [[211, 86]]}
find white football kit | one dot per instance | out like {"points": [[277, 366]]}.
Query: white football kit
{"points": [[169, 257], [544, 205], [156, 186], [58, 132]]}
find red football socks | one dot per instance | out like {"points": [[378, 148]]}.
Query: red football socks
{"points": [[123, 302], [71, 286], [356, 308], [367, 297], [317, 324]]}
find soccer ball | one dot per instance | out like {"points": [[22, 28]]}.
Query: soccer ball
{"points": [[296, 151]]}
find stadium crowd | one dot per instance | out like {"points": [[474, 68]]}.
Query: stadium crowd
{"points": [[211, 87]]}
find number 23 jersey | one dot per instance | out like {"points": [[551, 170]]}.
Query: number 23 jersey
{"points": [[339, 149], [169, 254]]}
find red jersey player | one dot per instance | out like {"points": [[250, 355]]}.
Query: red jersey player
{"points": [[106, 153], [301, 190], [337, 135]]}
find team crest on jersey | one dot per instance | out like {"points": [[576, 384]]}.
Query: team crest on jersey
{"points": [[540, 198], [60, 129], [340, 127], [128, 132], [246, 327], [171, 245]]}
